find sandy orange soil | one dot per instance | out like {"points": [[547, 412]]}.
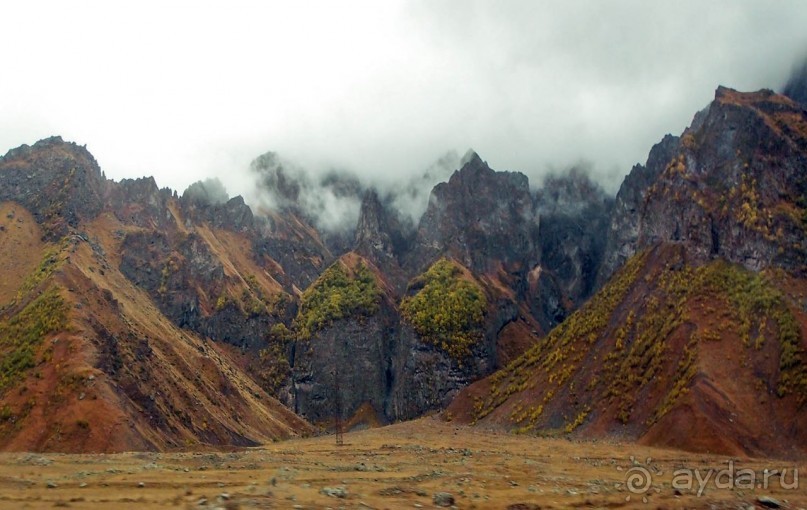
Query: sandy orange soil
{"points": [[400, 466]]}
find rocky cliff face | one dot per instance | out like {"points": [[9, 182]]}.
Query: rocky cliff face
{"points": [[734, 187], [385, 237], [345, 368], [479, 217], [573, 214], [726, 187], [623, 232], [386, 370]]}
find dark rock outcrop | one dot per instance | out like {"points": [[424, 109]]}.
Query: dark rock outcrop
{"points": [[356, 352], [426, 378], [731, 187], [623, 232], [573, 213], [480, 218], [386, 372], [59, 182], [383, 237]]}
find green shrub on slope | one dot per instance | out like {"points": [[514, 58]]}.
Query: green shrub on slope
{"points": [[336, 295], [447, 312], [21, 335]]}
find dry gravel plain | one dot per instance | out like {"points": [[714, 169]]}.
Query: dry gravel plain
{"points": [[401, 466]]}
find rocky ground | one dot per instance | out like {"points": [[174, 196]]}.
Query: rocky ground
{"points": [[422, 464]]}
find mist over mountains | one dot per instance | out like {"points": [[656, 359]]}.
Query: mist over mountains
{"points": [[386, 93]]}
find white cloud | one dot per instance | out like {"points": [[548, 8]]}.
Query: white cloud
{"points": [[188, 90]]}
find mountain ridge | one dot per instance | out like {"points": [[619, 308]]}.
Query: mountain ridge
{"points": [[171, 299]]}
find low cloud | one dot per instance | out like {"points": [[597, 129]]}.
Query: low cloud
{"points": [[209, 191], [384, 91], [330, 201]]}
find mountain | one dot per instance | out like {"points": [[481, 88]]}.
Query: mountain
{"points": [[168, 299], [108, 295], [411, 346], [697, 338], [674, 314]]}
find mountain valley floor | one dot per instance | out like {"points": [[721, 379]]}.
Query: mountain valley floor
{"points": [[405, 466]]}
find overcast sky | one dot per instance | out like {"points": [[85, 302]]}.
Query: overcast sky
{"points": [[189, 90]]}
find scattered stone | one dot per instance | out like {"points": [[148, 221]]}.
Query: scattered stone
{"points": [[201, 502], [82, 485], [51, 485], [140, 485], [224, 496], [335, 492], [443, 499], [769, 502], [35, 460]]}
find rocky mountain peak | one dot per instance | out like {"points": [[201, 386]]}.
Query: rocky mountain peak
{"points": [[383, 237], [572, 212], [376, 228], [59, 182], [729, 188], [479, 216]]}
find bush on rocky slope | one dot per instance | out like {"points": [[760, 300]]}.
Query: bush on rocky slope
{"points": [[447, 311], [337, 294], [21, 335]]}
